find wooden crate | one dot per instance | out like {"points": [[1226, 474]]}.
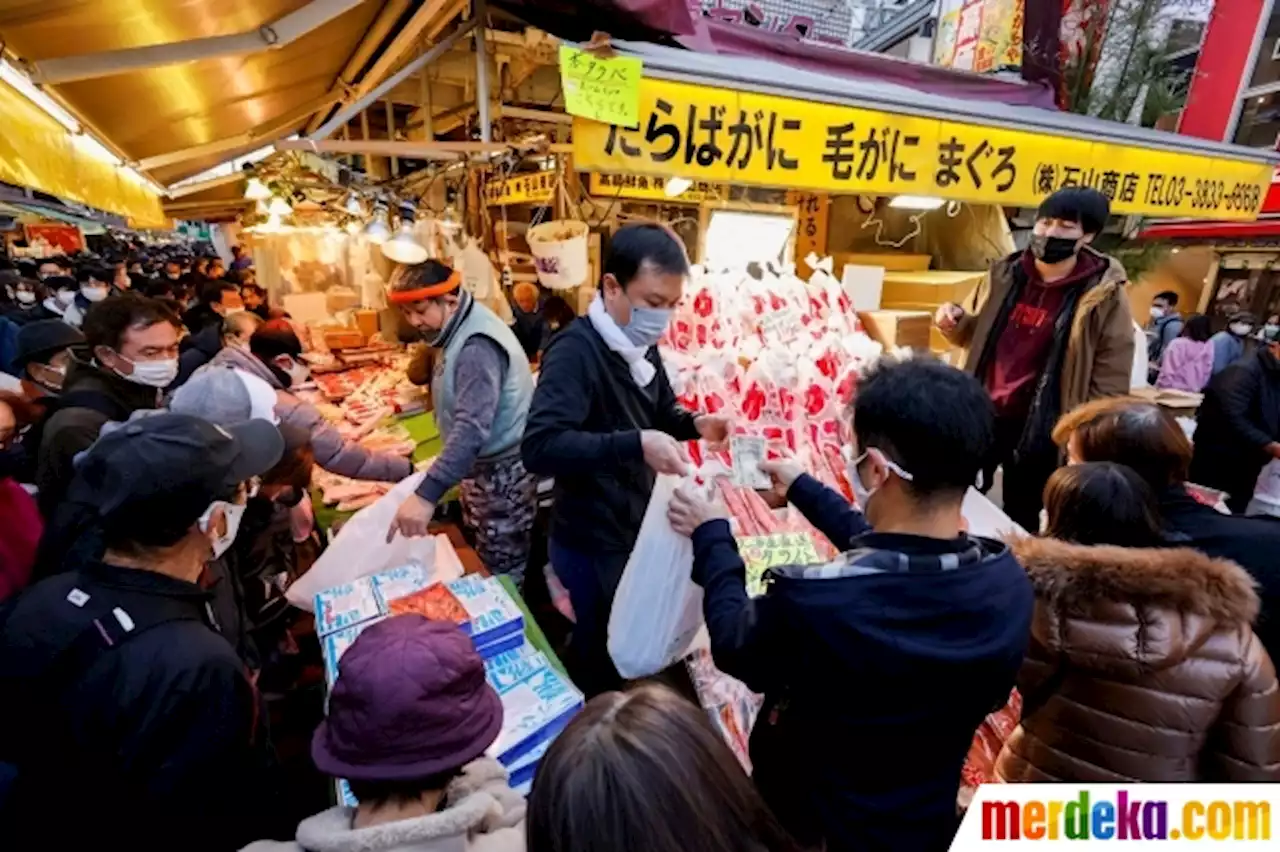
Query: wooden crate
{"points": [[891, 261], [898, 328]]}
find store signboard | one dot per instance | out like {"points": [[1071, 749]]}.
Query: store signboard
{"points": [[723, 136], [535, 188], [979, 35], [66, 239], [652, 188]]}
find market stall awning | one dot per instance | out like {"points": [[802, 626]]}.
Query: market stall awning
{"points": [[1262, 228], [153, 105], [38, 152], [753, 121]]}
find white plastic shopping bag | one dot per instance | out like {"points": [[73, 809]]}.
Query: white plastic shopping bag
{"points": [[361, 549], [657, 611], [1266, 493]]}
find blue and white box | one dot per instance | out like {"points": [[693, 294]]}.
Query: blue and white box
{"points": [[345, 605], [535, 709], [399, 582], [492, 615], [336, 644]]}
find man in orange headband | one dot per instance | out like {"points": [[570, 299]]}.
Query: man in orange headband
{"points": [[480, 390]]}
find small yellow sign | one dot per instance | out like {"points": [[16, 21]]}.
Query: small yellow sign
{"points": [[723, 136], [651, 188], [813, 210], [600, 89], [762, 552], [535, 188]]}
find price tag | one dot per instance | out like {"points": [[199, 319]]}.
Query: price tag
{"points": [[762, 552], [783, 323], [606, 90]]}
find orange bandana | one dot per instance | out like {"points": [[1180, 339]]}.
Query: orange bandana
{"points": [[408, 297]]}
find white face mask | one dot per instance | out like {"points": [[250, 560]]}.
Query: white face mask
{"points": [[94, 294], [1156, 312], [860, 491], [298, 373], [156, 374], [1240, 329], [233, 512], [66, 297], [26, 297]]}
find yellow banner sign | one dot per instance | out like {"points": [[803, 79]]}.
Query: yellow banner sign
{"points": [[723, 136], [651, 188], [536, 188], [601, 89]]}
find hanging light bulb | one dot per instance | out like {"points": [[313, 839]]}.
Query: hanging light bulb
{"points": [[352, 206], [404, 246], [378, 231], [261, 208], [256, 190], [352, 227], [279, 207]]}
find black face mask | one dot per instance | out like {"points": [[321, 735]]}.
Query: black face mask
{"points": [[1053, 249]]}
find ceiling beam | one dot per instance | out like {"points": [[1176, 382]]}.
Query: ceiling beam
{"points": [[272, 36], [389, 148], [265, 133], [427, 22], [535, 115], [211, 183], [373, 38]]}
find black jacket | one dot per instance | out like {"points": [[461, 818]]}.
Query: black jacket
{"points": [[1240, 415], [201, 347], [875, 675], [199, 318], [148, 723], [1252, 543], [74, 427], [584, 429]]}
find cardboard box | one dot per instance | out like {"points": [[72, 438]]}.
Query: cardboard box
{"points": [[891, 261], [892, 329]]}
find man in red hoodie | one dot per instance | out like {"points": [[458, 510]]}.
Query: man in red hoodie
{"points": [[1048, 329]]}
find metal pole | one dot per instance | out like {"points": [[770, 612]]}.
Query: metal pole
{"points": [[478, 15], [440, 48], [391, 135]]}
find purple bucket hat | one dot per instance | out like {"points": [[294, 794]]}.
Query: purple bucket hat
{"points": [[411, 701]]}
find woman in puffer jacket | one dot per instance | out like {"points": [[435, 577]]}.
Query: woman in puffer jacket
{"points": [[1142, 664], [273, 356]]}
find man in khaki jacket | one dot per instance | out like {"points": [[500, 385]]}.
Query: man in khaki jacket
{"points": [[1048, 328]]}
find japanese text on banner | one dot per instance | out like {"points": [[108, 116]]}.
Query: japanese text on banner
{"points": [[718, 135], [652, 187], [537, 188], [601, 89]]}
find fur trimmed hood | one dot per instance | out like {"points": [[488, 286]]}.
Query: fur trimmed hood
{"points": [[1151, 606]]}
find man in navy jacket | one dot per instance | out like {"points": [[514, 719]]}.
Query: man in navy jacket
{"points": [[877, 667]]}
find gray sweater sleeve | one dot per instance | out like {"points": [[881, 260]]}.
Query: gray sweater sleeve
{"points": [[481, 371]]}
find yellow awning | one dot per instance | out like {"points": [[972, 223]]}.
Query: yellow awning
{"points": [[37, 152]]}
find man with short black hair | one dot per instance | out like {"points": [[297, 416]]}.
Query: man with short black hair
{"points": [[120, 693], [604, 423], [95, 286], [1164, 327], [51, 267], [133, 349], [1048, 329], [217, 298], [876, 667]]}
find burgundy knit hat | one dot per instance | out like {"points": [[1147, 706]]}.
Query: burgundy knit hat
{"points": [[410, 701]]}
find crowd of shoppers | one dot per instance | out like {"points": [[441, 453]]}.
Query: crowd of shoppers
{"points": [[143, 623]]}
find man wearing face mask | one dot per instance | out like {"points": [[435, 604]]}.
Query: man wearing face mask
{"points": [[28, 296], [53, 267], [133, 347], [217, 299], [95, 286], [1164, 328], [44, 354], [900, 646], [116, 677], [1048, 329], [275, 356], [604, 423], [480, 393], [1229, 344], [62, 291]]}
